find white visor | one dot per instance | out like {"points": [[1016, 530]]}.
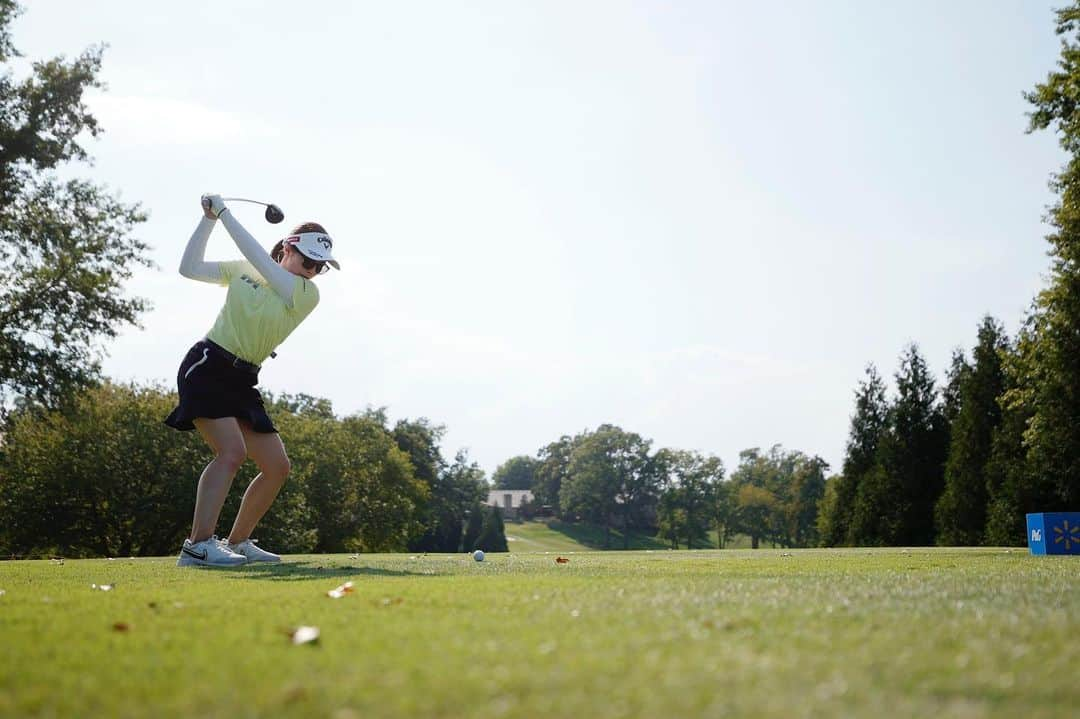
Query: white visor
{"points": [[314, 246]]}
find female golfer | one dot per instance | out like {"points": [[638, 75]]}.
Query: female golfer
{"points": [[268, 296]]}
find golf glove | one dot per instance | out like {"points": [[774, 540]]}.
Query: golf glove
{"points": [[214, 203]]}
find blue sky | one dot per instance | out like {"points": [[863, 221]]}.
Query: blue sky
{"points": [[699, 221]]}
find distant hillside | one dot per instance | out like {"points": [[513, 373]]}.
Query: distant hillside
{"points": [[553, 535]]}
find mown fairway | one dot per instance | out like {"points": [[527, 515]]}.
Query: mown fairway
{"points": [[915, 633]]}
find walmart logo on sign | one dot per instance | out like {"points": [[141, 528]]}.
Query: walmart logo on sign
{"points": [[1054, 533], [1069, 536]]}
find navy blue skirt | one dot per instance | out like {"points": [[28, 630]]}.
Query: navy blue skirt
{"points": [[211, 387]]}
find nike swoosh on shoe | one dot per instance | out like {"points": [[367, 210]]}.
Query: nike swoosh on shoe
{"points": [[201, 557]]}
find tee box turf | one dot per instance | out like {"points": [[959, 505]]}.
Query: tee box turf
{"points": [[1054, 533]]}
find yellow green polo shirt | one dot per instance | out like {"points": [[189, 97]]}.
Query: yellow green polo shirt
{"points": [[255, 319]]}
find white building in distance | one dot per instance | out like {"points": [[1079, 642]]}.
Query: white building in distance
{"points": [[509, 500]]}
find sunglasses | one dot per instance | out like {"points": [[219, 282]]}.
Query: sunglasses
{"points": [[320, 266], [310, 264]]}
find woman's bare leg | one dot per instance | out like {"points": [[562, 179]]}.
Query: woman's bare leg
{"points": [[225, 438], [268, 452]]}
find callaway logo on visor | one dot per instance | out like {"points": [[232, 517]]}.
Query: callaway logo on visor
{"points": [[315, 246]]}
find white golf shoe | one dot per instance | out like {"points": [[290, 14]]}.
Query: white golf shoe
{"points": [[208, 553], [248, 549]]}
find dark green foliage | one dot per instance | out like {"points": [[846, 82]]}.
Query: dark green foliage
{"points": [[868, 424], [961, 510], [777, 496], [687, 504], [895, 497], [877, 518], [66, 247], [1014, 483], [552, 470], [612, 479], [915, 455], [515, 473], [473, 527], [104, 476], [1043, 472], [723, 512], [493, 532], [807, 492]]}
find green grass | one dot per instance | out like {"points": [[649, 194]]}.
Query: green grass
{"points": [[811, 633], [552, 535]]}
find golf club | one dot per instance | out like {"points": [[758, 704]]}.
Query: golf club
{"points": [[274, 214]]}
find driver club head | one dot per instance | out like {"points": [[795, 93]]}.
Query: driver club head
{"points": [[274, 214]]}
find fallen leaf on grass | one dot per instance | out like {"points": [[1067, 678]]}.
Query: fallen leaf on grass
{"points": [[338, 593], [295, 694], [304, 635], [103, 587], [121, 627], [561, 560]]}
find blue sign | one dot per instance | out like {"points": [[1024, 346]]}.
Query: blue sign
{"points": [[1054, 533]]}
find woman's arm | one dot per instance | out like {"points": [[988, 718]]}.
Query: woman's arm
{"points": [[192, 264], [283, 281]]}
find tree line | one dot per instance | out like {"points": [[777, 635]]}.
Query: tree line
{"points": [[612, 478], [102, 476]]}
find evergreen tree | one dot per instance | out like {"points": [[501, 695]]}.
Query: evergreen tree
{"points": [[961, 511], [473, 527], [950, 393], [1014, 484], [867, 426], [493, 533], [1045, 476], [914, 457]]}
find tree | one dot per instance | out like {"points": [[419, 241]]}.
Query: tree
{"points": [[1043, 473], [612, 477], [868, 424], [753, 483], [724, 512], [1015, 485], [515, 473], [473, 527], [688, 504], [756, 509], [914, 455], [552, 471], [99, 478], [66, 246], [807, 491], [950, 394], [460, 486], [493, 533], [961, 510]]}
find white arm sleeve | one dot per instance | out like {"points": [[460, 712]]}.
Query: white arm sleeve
{"points": [[283, 281], [192, 265]]}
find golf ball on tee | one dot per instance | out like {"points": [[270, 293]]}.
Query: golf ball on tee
{"points": [[478, 555]]}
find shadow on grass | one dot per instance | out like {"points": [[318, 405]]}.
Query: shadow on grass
{"points": [[291, 571], [593, 537]]}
